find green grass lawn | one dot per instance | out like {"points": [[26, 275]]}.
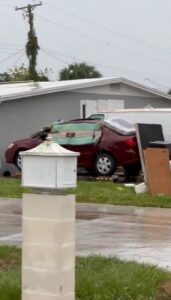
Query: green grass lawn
{"points": [[94, 192], [97, 278], [10, 187]]}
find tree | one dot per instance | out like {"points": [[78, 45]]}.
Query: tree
{"points": [[4, 77], [78, 71], [32, 46], [22, 73]]}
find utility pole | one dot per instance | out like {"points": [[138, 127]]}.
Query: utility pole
{"points": [[32, 46]]}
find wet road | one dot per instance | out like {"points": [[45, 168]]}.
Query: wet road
{"points": [[137, 234]]}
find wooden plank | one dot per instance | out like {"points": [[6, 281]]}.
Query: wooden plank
{"points": [[158, 171]]}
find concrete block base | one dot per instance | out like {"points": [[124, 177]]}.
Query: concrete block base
{"points": [[48, 255]]}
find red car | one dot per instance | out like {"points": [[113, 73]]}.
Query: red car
{"points": [[103, 146], [12, 154]]}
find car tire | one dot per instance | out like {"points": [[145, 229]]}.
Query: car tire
{"points": [[132, 170], [104, 165], [18, 162]]}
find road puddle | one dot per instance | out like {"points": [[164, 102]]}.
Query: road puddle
{"points": [[138, 238]]}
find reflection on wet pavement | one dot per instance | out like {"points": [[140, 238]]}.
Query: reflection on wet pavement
{"points": [[139, 237]]}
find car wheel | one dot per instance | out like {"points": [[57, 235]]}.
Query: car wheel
{"points": [[18, 160], [104, 165], [132, 170]]}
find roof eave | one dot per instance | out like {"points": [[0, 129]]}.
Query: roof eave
{"points": [[76, 86]]}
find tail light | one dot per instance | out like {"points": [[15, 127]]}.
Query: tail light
{"points": [[131, 142]]}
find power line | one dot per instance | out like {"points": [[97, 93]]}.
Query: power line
{"points": [[156, 83], [18, 58], [108, 44], [4, 49], [115, 32], [59, 53], [7, 58], [54, 56], [7, 52], [49, 52], [7, 5], [10, 44]]}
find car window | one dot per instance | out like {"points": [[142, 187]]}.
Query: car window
{"points": [[97, 117]]}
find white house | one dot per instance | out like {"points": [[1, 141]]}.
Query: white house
{"points": [[27, 107]]}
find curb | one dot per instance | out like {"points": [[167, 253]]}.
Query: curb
{"points": [[105, 209]]}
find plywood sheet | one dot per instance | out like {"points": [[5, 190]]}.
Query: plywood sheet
{"points": [[158, 171]]}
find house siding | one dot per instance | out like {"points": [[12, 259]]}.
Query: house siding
{"points": [[117, 89]]}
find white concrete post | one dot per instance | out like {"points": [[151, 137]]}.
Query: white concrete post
{"points": [[48, 222]]}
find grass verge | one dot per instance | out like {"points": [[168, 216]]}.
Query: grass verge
{"points": [[97, 278], [94, 192], [11, 188], [118, 194], [10, 273]]}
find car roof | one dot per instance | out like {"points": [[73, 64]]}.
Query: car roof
{"points": [[118, 125], [92, 121]]}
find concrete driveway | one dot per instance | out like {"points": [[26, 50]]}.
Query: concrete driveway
{"points": [[130, 233]]}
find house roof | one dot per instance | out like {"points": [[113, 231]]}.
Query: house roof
{"points": [[28, 89]]}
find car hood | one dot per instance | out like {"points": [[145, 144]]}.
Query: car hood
{"points": [[28, 140]]}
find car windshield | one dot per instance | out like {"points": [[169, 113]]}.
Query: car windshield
{"points": [[121, 126], [36, 134], [41, 133]]}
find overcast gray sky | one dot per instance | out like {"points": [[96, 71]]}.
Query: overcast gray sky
{"points": [[129, 38]]}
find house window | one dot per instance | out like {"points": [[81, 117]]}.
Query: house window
{"points": [[110, 104], [89, 107]]}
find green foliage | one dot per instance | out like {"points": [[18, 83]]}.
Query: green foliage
{"points": [[97, 278], [11, 188], [101, 192], [111, 193], [4, 77], [10, 273], [32, 46], [22, 73], [78, 71]]}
